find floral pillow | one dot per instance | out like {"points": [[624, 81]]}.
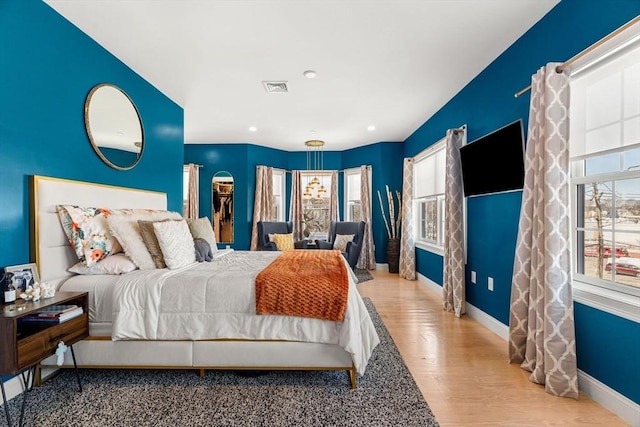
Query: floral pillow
{"points": [[88, 233]]}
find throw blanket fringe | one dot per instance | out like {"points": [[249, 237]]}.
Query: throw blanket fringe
{"points": [[305, 283]]}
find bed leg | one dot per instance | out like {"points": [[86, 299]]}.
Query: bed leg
{"points": [[352, 377], [202, 371]]}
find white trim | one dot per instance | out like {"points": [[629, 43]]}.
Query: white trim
{"points": [[438, 250], [599, 392], [613, 302], [620, 405], [491, 323]]}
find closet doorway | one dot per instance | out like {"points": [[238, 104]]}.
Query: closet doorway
{"points": [[222, 206]]}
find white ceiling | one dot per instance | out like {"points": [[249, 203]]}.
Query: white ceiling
{"points": [[387, 63]]}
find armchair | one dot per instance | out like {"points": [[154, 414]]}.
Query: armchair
{"points": [[354, 247], [265, 228]]}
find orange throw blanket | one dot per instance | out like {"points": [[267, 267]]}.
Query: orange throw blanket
{"points": [[305, 283]]}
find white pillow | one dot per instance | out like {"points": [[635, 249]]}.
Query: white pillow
{"points": [[125, 227], [114, 264], [201, 228], [341, 240], [176, 243]]}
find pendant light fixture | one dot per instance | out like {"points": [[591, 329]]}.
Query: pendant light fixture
{"points": [[315, 163]]}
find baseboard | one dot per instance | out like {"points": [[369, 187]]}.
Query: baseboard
{"points": [[615, 402], [620, 405], [382, 266]]}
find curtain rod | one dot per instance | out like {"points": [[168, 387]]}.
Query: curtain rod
{"points": [[588, 50]]}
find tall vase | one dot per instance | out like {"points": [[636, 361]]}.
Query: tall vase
{"points": [[393, 255]]}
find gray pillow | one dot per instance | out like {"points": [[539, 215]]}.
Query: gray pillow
{"points": [[203, 250]]}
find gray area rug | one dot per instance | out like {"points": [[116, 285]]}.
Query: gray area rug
{"points": [[386, 395], [362, 275]]}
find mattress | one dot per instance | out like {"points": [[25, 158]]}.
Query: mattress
{"points": [[100, 289]]}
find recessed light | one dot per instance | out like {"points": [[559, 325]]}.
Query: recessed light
{"points": [[253, 129], [371, 127], [310, 74]]}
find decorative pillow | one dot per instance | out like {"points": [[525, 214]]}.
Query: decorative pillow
{"points": [[201, 228], [284, 242], [176, 243], [341, 240], [114, 264], [88, 233], [151, 242], [125, 227], [203, 250]]}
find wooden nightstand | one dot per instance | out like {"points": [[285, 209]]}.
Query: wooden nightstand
{"points": [[24, 345]]}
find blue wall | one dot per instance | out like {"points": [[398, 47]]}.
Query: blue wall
{"points": [[241, 161], [47, 68], [488, 103]]}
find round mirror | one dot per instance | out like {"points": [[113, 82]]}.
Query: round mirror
{"points": [[222, 206], [114, 126]]}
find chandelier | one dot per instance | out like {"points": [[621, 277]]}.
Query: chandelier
{"points": [[314, 188]]}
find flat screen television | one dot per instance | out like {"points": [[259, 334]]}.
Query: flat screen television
{"points": [[494, 163]]}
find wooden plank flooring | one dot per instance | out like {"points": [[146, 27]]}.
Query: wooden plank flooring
{"points": [[462, 368]]}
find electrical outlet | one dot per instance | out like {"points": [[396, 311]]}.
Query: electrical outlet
{"points": [[473, 277], [490, 283]]}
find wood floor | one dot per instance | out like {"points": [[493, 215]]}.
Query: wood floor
{"points": [[462, 368]]}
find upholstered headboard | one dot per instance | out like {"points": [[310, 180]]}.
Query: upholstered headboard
{"points": [[50, 249]]}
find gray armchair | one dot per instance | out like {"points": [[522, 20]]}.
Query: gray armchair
{"points": [[265, 228], [353, 249]]}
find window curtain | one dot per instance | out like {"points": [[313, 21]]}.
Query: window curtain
{"points": [[295, 210], [541, 323], [263, 201], [407, 265], [192, 195], [367, 258], [333, 203], [453, 288]]}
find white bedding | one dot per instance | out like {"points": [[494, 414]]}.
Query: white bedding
{"points": [[216, 300]]}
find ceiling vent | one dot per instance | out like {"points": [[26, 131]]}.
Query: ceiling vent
{"points": [[275, 87]]}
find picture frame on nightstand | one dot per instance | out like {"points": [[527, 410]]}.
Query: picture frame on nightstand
{"points": [[27, 272]]}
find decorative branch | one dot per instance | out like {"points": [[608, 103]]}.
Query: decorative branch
{"points": [[383, 215], [399, 212], [392, 212], [393, 225]]}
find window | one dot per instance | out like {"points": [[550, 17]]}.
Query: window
{"points": [[428, 195], [316, 197], [605, 170], [278, 195], [352, 178]]}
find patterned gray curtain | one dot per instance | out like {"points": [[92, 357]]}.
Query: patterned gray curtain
{"points": [[407, 266], [333, 203], [453, 289], [263, 201], [367, 258], [295, 210], [191, 211], [541, 323]]}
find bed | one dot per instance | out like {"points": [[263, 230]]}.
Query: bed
{"points": [[216, 297]]}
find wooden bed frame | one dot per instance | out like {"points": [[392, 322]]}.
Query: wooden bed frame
{"points": [[53, 255]]}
